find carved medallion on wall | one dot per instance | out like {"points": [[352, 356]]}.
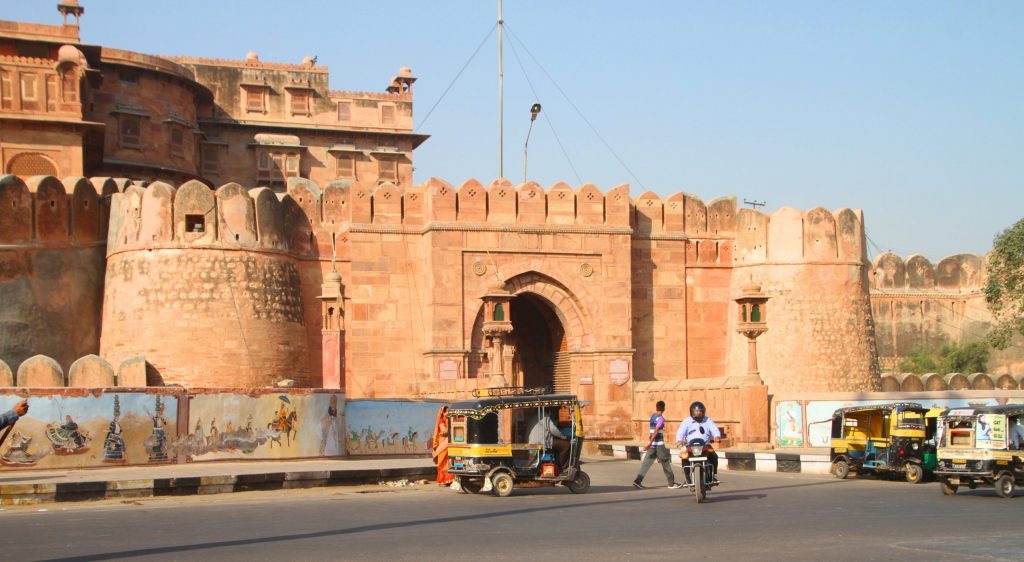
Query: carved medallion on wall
{"points": [[586, 269], [479, 267]]}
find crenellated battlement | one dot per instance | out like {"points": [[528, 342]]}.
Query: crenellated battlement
{"points": [[46, 210], [916, 274]]}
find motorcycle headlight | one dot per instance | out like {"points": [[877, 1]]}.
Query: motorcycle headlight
{"points": [[696, 450]]}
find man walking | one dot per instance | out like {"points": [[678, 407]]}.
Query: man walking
{"points": [[655, 449]]}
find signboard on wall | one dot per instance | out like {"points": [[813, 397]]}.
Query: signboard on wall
{"points": [[586, 379], [447, 369], [618, 371]]}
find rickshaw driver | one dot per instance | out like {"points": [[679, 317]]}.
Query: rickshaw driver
{"points": [[699, 426], [545, 432]]}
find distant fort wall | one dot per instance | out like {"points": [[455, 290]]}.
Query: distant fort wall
{"points": [[920, 306]]}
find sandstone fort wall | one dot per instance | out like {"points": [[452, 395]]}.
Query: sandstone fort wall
{"points": [[51, 267]]}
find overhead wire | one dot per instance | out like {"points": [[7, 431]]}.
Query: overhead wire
{"points": [[452, 83], [580, 113], [546, 116]]}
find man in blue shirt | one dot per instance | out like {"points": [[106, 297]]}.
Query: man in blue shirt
{"points": [[656, 449], [9, 417], [699, 426]]}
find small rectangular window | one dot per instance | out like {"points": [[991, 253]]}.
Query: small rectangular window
{"points": [[388, 169], [300, 102], [29, 91], [6, 90], [69, 87], [346, 166], [255, 99], [195, 223], [292, 166], [130, 131], [128, 76], [177, 141], [211, 159], [387, 115], [344, 111]]}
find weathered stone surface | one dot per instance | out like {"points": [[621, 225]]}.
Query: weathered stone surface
{"points": [[40, 371], [6, 375], [132, 372], [91, 371]]}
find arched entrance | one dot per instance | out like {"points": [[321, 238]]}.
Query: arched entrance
{"points": [[539, 343]]}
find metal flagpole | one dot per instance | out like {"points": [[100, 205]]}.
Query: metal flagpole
{"points": [[501, 120]]}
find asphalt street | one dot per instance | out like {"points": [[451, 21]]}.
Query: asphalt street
{"points": [[767, 516]]}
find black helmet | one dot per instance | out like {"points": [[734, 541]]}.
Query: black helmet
{"points": [[697, 410]]}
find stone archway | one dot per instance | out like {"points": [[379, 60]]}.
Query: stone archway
{"points": [[538, 344]]}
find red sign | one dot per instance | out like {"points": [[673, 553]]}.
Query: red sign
{"points": [[618, 370]]}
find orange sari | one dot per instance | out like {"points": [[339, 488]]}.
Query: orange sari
{"points": [[439, 446]]}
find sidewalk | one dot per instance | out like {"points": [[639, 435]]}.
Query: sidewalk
{"points": [[44, 486], [808, 460]]}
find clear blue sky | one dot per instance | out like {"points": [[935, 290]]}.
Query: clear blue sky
{"points": [[911, 111]]}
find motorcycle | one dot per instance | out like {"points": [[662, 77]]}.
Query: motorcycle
{"points": [[699, 473]]}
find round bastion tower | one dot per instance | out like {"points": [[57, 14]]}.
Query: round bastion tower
{"points": [[206, 286], [813, 266]]}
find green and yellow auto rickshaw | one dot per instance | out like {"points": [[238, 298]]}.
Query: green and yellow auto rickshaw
{"points": [[489, 446], [884, 439], [981, 447]]}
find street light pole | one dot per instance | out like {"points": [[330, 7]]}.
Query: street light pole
{"points": [[534, 110]]}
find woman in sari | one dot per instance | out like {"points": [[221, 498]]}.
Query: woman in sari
{"points": [[439, 446]]}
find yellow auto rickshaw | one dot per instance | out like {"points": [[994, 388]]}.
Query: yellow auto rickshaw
{"points": [[981, 447], [490, 447], [884, 439]]}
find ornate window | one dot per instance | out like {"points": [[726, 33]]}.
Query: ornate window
{"points": [[28, 164], [277, 166], [211, 159], [176, 142], [69, 86], [30, 91]]}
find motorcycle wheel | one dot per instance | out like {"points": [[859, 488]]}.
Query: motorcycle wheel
{"points": [[698, 484]]}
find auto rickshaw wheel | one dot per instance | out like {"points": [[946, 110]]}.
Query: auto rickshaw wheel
{"points": [[502, 483], [840, 469], [915, 474], [1004, 486], [580, 484], [947, 488], [471, 485]]}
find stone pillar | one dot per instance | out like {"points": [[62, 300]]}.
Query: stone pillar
{"points": [[332, 308]]}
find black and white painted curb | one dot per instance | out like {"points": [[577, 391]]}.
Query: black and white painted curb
{"points": [[739, 460], [21, 494]]}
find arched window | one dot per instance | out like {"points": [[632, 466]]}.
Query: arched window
{"points": [[29, 164], [499, 313]]}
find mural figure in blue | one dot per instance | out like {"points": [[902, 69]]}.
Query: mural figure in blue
{"points": [[156, 443], [113, 445]]}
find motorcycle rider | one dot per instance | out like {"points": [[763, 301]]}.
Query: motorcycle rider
{"points": [[699, 426]]}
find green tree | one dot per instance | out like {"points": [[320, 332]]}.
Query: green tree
{"points": [[918, 362], [967, 358], [1005, 288]]}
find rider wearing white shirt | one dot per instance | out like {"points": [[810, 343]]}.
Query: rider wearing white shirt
{"points": [[699, 426]]}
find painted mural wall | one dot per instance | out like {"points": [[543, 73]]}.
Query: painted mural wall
{"points": [[264, 424], [383, 427], [90, 430], [808, 422]]}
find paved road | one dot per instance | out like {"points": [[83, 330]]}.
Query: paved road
{"points": [[757, 515]]}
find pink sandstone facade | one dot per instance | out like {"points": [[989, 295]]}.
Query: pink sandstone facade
{"points": [[271, 231]]}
